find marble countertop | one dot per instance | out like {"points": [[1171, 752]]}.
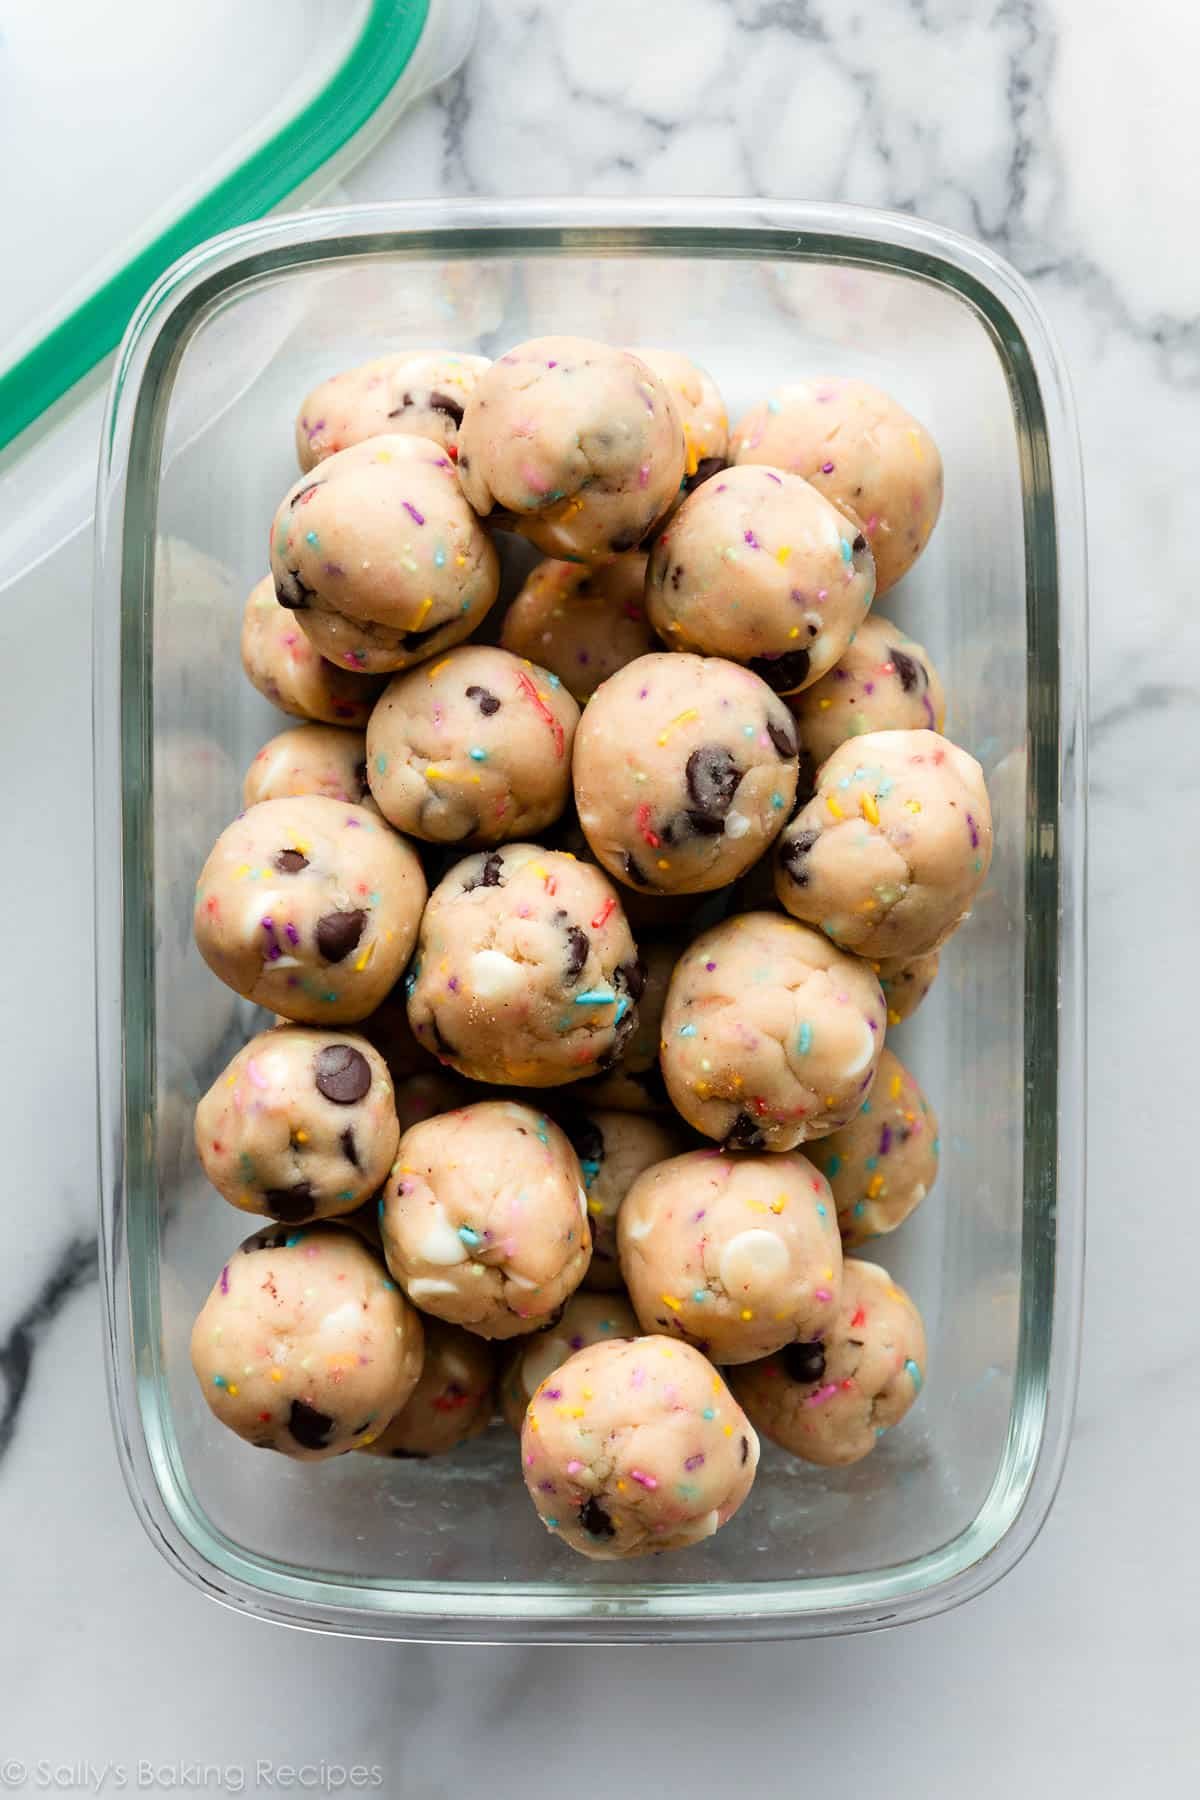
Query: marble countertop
{"points": [[1057, 133]]}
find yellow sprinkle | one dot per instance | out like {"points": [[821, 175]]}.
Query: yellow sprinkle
{"points": [[366, 956], [870, 811], [670, 1300], [893, 1017], [794, 632], [276, 1374], [369, 1439], [747, 1315], [663, 863], [914, 806], [716, 1385], [895, 1087], [531, 1416], [824, 705], [422, 612], [873, 1186], [833, 806], [777, 1206], [756, 1206], [229, 1080], [596, 1208], [620, 1487], [728, 1430], [680, 719], [438, 667], [302, 1137], [783, 552], [232, 1390], [828, 1275], [242, 870], [588, 1394], [382, 456], [460, 562]]}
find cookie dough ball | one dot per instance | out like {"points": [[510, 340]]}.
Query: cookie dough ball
{"points": [[304, 1344], [288, 671], [830, 1401], [701, 411], [310, 908], [758, 567], [586, 1319], [685, 770], [613, 1149], [883, 682], [310, 759], [873, 460], [634, 1448], [416, 393], [582, 622], [891, 850], [380, 558], [579, 443], [300, 1126], [485, 1218], [475, 747], [737, 1254], [452, 1402], [905, 984], [884, 1162], [771, 1036], [526, 973]]}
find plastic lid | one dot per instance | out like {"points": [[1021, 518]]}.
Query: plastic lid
{"points": [[143, 129]]}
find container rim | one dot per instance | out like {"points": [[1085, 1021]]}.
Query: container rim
{"points": [[1054, 1139]]}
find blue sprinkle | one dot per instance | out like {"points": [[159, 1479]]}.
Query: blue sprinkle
{"points": [[820, 1210], [466, 606], [476, 754], [846, 550], [310, 537], [687, 1031], [379, 1209], [832, 1166], [777, 802], [872, 1162], [804, 1039], [541, 1131], [553, 680], [389, 1285], [439, 558], [595, 997], [292, 1239], [879, 1430], [700, 1294], [470, 1238], [747, 731], [937, 1146], [860, 1209], [622, 1009], [709, 1413], [553, 1524], [914, 1374], [218, 1381], [591, 1168], [381, 765], [865, 1107]]}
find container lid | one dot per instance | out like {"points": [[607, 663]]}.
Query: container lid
{"points": [[141, 130]]}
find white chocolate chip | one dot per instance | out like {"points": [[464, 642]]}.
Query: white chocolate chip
{"points": [[751, 1261], [494, 975], [736, 824], [425, 1287], [441, 1244], [868, 1051]]}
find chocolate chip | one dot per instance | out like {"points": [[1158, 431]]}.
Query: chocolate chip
{"points": [[338, 933], [293, 592], [783, 673], [634, 871], [806, 783], [291, 1204], [623, 540], [578, 947], [705, 824], [794, 855], [445, 403], [632, 977], [907, 668], [309, 1427], [410, 1455], [290, 862], [745, 1451], [484, 700], [302, 494], [583, 1134], [595, 1520], [349, 1148], [859, 544], [342, 1073], [489, 875], [706, 468], [360, 776], [712, 778], [781, 737], [744, 1134], [803, 1362], [406, 401]]}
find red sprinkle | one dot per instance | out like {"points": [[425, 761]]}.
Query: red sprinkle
{"points": [[605, 913], [859, 1318], [643, 821], [528, 688]]}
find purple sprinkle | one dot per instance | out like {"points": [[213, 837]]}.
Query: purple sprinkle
{"points": [[885, 1140], [412, 512], [841, 675], [290, 932], [750, 539], [577, 1342], [642, 693], [973, 829], [553, 1394], [268, 924], [699, 1215], [334, 569], [710, 966], [827, 468], [225, 1279], [774, 478], [355, 824], [552, 365], [546, 1487], [871, 1025], [693, 1462], [452, 984]]}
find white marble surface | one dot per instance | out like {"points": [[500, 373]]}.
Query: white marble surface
{"points": [[1062, 134]]}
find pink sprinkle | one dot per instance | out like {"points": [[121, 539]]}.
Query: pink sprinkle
{"points": [[750, 539], [574, 1466], [823, 1294], [638, 1378], [827, 468], [529, 1462], [646, 1481], [822, 593], [872, 523], [693, 1462], [821, 1395], [643, 475], [412, 512], [356, 824]]}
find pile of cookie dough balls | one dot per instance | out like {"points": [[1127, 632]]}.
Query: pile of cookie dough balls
{"points": [[583, 942]]}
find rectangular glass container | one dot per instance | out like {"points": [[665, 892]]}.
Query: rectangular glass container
{"points": [[197, 451]]}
